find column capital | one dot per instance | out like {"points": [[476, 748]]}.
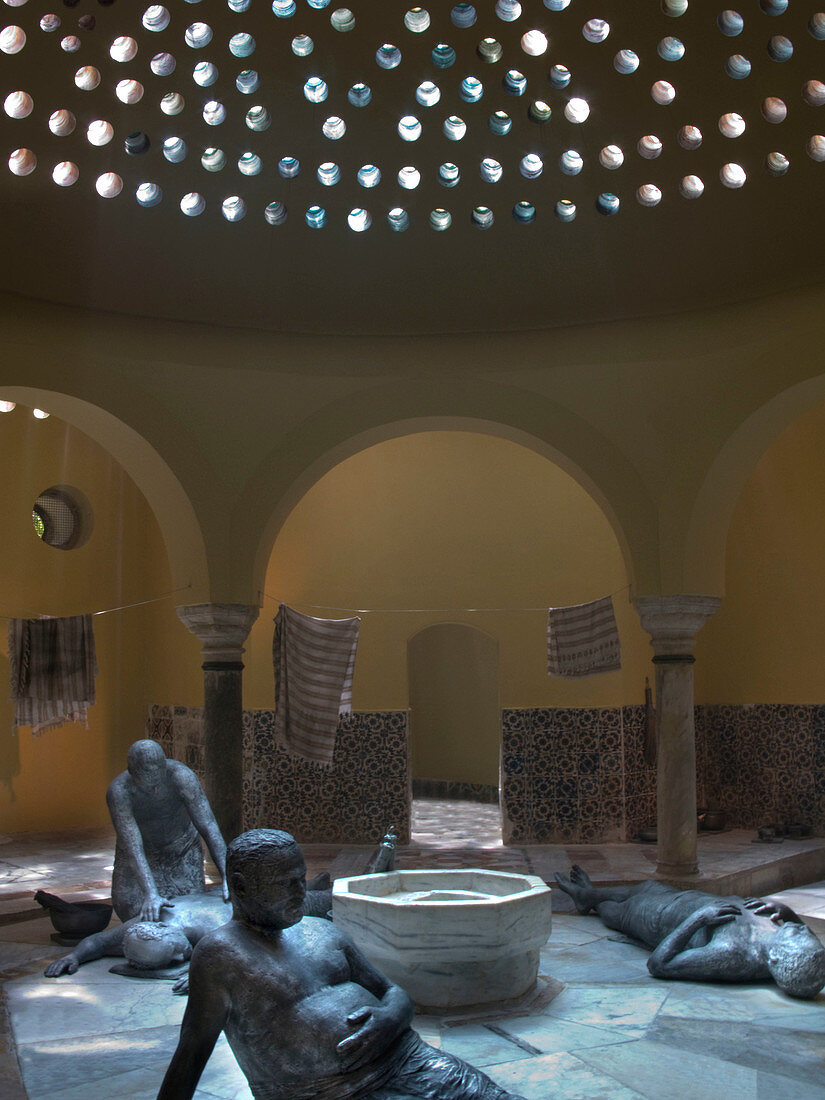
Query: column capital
{"points": [[674, 621], [221, 628]]}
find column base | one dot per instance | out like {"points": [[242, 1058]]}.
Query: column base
{"points": [[677, 870]]}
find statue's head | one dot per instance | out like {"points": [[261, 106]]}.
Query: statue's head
{"points": [[796, 960], [147, 765], [266, 874], [149, 945]]}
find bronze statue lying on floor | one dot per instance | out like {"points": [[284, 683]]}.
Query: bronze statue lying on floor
{"points": [[701, 937], [306, 1015]]}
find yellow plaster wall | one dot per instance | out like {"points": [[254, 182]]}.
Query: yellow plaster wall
{"points": [[58, 780], [424, 527], [766, 643]]}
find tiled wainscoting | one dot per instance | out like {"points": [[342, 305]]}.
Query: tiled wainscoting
{"points": [[364, 793], [570, 775]]}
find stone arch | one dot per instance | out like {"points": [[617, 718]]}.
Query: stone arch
{"points": [[541, 425], [707, 532], [150, 472]]}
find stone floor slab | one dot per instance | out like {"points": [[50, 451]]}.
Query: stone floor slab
{"points": [[560, 1076]]}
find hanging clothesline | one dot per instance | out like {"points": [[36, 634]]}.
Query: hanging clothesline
{"points": [[424, 610], [108, 610]]}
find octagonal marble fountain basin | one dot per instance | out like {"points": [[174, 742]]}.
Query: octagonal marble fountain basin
{"points": [[449, 938]]}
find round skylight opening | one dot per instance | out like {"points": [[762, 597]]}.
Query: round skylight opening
{"points": [[315, 89], [671, 49], [49, 23], [777, 164], [440, 219], [417, 20], [607, 203], [398, 219], [302, 45], [233, 208], [648, 195], [62, 122], [626, 62], [283, 9], [774, 110], [674, 8], [388, 56], [359, 220], [427, 93], [730, 23], [780, 48], [649, 147], [328, 173], [65, 173], [596, 30], [409, 177], [316, 217], [577, 110], [524, 212], [611, 157], [732, 125], [689, 137], [241, 45], [471, 89], [156, 18], [556, 5], [565, 210], [162, 64], [214, 112], [816, 25], [454, 128], [571, 162], [514, 83], [359, 95], [369, 175], [342, 20], [663, 92], [732, 175], [539, 111], [500, 123], [258, 119], [123, 49], [22, 162], [62, 515], [531, 166], [109, 185], [463, 15], [213, 159], [334, 128], [691, 187], [449, 174], [172, 103], [289, 167], [197, 35], [87, 78], [99, 132], [737, 66], [559, 76], [249, 164], [318, 4], [148, 194], [12, 39], [129, 91], [275, 213], [534, 43], [482, 217], [813, 92], [815, 147], [192, 204], [70, 44], [490, 170], [409, 128], [773, 7], [443, 56], [205, 74], [174, 149], [508, 11], [240, 5], [489, 50], [18, 104]]}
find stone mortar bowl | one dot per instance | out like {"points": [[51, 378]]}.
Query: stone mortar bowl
{"points": [[449, 938], [84, 919]]}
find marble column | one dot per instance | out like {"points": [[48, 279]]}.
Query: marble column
{"points": [[222, 629], [673, 623]]}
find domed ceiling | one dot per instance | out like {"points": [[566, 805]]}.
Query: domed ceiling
{"points": [[295, 166]]}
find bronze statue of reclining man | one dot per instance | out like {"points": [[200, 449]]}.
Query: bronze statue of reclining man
{"points": [[306, 1015], [701, 937]]}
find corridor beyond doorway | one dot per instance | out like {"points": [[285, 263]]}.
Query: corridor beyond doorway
{"points": [[442, 823]]}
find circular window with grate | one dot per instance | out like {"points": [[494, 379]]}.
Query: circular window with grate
{"points": [[62, 517]]}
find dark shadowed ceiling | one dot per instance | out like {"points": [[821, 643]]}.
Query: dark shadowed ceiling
{"points": [[68, 244]]}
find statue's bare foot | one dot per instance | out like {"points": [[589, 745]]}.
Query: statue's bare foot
{"points": [[579, 887]]}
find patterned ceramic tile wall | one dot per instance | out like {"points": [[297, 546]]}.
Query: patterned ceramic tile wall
{"points": [[366, 790]]}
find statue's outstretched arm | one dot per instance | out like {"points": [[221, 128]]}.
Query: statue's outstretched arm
{"points": [[130, 841], [203, 819], [96, 946], [673, 959], [203, 1021]]}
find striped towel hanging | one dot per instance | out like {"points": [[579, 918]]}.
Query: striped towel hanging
{"points": [[582, 640]]}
